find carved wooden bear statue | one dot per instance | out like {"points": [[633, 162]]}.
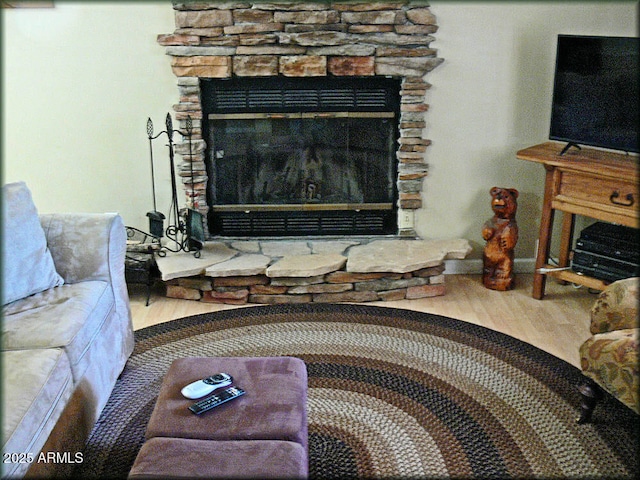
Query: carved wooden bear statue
{"points": [[501, 235]]}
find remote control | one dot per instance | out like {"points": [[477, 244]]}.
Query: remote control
{"points": [[207, 385], [215, 400]]}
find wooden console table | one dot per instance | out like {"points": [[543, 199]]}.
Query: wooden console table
{"points": [[589, 182]]}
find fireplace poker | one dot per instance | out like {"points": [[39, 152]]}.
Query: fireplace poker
{"points": [[195, 232], [156, 218]]}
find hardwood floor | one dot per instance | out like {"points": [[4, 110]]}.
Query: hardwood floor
{"points": [[557, 324]]}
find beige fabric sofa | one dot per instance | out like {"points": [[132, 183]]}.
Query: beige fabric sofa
{"points": [[66, 341]]}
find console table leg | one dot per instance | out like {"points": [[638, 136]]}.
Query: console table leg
{"points": [[566, 239], [544, 239], [539, 283]]}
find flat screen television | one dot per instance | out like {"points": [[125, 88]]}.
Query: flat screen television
{"points": [[595, 94]]}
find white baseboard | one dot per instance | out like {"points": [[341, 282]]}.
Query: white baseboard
{"points": [[473, 266]]}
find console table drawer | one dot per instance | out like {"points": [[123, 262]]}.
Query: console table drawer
{"points": [[581, 187]]}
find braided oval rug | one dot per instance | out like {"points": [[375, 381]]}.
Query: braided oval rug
{"points": [[392, 394]]}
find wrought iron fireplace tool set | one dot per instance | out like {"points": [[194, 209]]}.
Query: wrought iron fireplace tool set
{"points": [[185, 231]]}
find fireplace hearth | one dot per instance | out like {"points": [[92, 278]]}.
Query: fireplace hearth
{"points": [[308, 117]]}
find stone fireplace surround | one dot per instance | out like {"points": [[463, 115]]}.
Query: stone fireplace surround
{"points": [[215, 40], [305, 39]]}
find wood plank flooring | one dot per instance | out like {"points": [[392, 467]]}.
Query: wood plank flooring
{"points": [[557, 324]]}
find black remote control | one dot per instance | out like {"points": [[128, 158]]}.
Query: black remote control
{"points": [[215, 400]]}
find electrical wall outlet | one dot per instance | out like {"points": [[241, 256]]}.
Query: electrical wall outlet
{"points": [[406, 219]]}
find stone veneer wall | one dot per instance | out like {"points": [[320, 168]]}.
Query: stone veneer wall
{"points": [[305, 39]]}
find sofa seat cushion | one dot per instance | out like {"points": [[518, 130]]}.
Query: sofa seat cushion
{"points": [[36, 386], [611, 360], [68, 317]]}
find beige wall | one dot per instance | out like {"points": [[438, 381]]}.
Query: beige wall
{"points": [[492, 97], [80, 80]]}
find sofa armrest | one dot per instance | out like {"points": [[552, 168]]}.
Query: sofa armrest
{"points": [[616, 307], [90, 246], [85, 246]]}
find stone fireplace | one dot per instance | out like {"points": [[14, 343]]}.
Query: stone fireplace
{"points": [[305, 166]]}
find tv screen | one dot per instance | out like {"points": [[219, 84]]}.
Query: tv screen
{"points": [[595, 94]]}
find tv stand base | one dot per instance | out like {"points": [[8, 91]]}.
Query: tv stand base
{"points": [[568, 146]]}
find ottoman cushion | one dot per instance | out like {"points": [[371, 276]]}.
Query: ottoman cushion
{"points": [[187, 458], [273, 408]]}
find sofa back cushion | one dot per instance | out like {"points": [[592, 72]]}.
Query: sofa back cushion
{"points": [[27, 265]]}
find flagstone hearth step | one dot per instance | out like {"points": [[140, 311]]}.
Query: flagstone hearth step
{"points": [[299, 271], [403, 256], [306, 265], [243, 264], [177, 265]]}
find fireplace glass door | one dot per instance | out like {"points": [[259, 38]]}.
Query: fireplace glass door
{"points": [[311, 159]]}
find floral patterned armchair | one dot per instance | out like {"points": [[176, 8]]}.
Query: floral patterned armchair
{"points": [[610, 357]]}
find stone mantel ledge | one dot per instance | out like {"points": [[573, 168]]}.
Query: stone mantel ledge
{"points": [[295, 271]]}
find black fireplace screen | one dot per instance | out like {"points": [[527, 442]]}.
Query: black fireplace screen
{"points": [[287, 172], [310, 159]]}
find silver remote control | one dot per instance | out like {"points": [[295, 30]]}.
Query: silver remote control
{"points": [[207, 385]]}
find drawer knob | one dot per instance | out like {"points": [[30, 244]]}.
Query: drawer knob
{"points": [[629, 199]]}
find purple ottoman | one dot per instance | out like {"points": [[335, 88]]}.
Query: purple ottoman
{"points": [[271, 418], [274, 406], [187, 458]]}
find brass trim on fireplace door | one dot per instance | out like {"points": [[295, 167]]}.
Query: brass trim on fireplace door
{"points": [[301, 207], [295, 115]]}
